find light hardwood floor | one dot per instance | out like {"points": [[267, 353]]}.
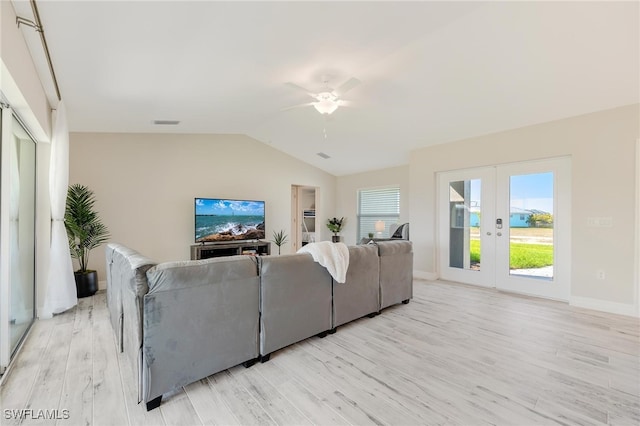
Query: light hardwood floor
{"points": [[455, 355]]}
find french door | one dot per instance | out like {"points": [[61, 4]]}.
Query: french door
{"points": [[507, 227]]}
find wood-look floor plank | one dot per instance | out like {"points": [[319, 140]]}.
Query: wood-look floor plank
{"points": [[209, 405], [21, 379], [136, 412], [77, 391], [380, 383], [455, 355], [297, 365], [310, 404], [241, 402], [177, 410], [270, 399], [47, 391], [108, 392]]}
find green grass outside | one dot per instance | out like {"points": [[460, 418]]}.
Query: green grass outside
{"points": [[522, 255]]}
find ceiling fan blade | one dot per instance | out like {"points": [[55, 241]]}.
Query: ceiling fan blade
{"points": [[298, 106], [346, 86], [342, 102], [295, 86]]}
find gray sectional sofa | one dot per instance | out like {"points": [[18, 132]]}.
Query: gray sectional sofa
{"points": [[179, 322]]}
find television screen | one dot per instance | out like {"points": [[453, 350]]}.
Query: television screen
{"points": [[218, 219]]}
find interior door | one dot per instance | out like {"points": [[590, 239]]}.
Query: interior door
{"points": [[507, 227]]}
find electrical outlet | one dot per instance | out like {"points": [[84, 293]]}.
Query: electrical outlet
{"points": [[601, 274]]}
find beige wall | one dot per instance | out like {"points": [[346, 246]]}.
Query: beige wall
{"points": [[602, 150], [347, 195], [145, 185]]}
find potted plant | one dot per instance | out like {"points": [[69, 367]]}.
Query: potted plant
{"points": [[335, 226], [279, 238], [85, 231]]}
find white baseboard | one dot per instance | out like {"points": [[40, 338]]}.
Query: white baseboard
{"points": [[102, 284], [424, 275], [605, 306]]}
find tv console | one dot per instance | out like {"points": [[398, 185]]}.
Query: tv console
{"points": [[231, 248]]}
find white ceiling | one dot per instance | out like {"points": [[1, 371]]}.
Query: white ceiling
{"points": [[431, 72]]}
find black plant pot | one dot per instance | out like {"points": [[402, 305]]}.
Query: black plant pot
{"points": [[86, 283], [336, 238]]}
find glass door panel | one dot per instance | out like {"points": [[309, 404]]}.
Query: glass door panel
{"points": [[462, 218], [17, 221], [464, 224], [532, 251], [22, 230], [531, 225]]}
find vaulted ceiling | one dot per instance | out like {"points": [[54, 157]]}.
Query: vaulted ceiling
{"points": [[430, 72]]}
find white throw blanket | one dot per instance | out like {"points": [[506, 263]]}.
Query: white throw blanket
{"points": [[333, 256]]}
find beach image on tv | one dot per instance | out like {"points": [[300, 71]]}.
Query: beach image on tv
{"points": [[228, 220]]}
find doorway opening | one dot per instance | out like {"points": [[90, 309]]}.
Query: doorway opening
{"points": [[304, 202]]}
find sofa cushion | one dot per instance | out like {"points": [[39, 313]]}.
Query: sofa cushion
{"points": [[396, 272], [295, 300], [188, 273], [393, 247], [360, 294]]}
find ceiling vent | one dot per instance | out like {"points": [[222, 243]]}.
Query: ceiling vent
{"points": [[166, 122], [323, 155]]}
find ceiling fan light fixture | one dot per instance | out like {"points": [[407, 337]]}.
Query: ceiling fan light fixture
{"points": [[327, 103]]}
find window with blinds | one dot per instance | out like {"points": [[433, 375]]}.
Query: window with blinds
{"points": [[381, 204]]}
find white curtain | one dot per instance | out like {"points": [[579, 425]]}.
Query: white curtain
{"points": [[61, 286]]}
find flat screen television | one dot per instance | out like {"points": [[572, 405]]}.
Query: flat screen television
{"points": [[219, 220]]}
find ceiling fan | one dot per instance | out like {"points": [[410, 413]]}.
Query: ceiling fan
{"points": [[328, 100]]}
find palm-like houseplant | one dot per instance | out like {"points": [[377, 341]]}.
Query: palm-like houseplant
{"points": [[85, 231], [279, 238]]}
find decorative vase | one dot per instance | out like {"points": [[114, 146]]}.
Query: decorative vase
{"points": [[336, 238], [86, 283]]}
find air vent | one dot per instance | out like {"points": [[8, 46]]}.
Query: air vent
{"points": [[166, 122], [323, 155]]}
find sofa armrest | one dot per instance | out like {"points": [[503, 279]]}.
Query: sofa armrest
{"points": [[126, 269], [127, 284]]}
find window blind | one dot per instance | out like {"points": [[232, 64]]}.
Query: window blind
{"points": [[377, 204]]}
